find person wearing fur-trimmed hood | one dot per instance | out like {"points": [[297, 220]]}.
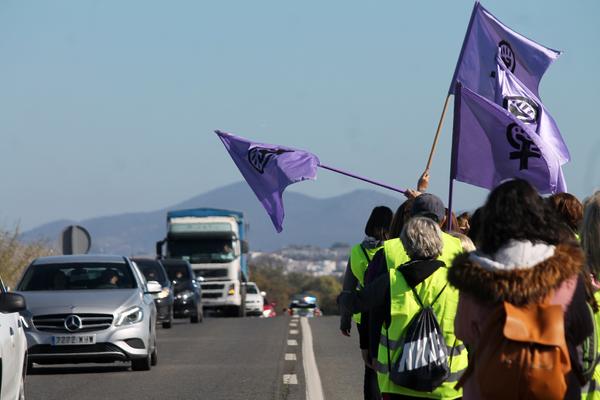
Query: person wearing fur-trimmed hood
{"points": [[522, 258]]}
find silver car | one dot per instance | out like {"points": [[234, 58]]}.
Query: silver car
{"points": [[89, 308]]}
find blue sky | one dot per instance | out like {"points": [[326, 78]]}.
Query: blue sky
{"points": [[109, 106]]}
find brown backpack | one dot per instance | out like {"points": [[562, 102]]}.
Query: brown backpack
{"points": [[522, 354]]}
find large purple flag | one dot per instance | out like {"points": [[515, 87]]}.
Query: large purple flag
{"points": [[523, 104], [491, 145], [485, 38], [269, 169]]}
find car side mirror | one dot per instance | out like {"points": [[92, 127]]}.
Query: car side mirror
{"points": [[153, 287], [245, 247], [12, 302]]}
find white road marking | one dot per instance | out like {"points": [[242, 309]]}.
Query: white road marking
{"points": [[292, 342], [293, 331], [290, 357], [290, 379], [314, 389], [293, 324]]}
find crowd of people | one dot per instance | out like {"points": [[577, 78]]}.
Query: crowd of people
{"points": [[501, 303]]}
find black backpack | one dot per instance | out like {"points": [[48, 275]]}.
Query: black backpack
{"points": [[423, 363]]}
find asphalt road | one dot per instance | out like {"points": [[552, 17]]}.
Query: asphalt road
{"points": [[221, 358]]}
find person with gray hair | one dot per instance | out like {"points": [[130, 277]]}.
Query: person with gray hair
{"points": [[422, 239], [422, 280]]}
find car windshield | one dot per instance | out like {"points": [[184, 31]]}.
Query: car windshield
{"points": [[78, 276], [152, 270], [252, 289], [202, 250], [177, 272]]}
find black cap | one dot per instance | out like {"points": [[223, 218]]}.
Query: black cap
{"points": [[430, 206]]}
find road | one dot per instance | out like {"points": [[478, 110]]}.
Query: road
{"points": [[222, 358]]}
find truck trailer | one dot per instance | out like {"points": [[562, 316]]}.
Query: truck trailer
{"points": [[213, 242]]}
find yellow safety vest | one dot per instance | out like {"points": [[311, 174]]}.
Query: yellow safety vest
{"points": [[395, 255], [403, 309], [358, 264], [591, 390]]}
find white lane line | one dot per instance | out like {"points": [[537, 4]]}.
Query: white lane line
{"points": [[290, 379], [314, 389], [293, 331], [293, 324], [290, 357], [292, 342]]}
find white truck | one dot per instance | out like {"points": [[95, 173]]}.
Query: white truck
{"points": [[213, 242]]}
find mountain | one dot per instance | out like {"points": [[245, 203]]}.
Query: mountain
{"points": [[308, 221]]}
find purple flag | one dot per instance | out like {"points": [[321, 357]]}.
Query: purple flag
{"points": [[490, 145], [269, 169], [485, 38], [523, 104]]}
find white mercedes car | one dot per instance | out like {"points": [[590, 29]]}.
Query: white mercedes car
{"points": [[13, 346], [89, 308]]}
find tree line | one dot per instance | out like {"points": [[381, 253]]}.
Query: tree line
{"points": [[268, 272]]}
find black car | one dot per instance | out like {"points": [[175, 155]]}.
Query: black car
{"points": [[188, 298], [154, 271]]}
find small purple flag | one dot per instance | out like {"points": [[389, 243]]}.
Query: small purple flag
{"points": [[523, 104], [269, 169], [485, 38], [490, 145]]}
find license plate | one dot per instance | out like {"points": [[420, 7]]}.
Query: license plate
{"points": [[73, 340]]}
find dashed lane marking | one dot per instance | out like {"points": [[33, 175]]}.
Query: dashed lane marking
{"points": [[292, 342], [290, 357], [293, 331], [290, 379]]}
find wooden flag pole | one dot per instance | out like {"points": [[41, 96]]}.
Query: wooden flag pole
{"points": [[437, 133]]}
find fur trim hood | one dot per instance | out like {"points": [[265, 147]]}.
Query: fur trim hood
{"points": [[491, 281]]}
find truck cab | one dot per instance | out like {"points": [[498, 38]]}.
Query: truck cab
{"points": [[212, 241]]}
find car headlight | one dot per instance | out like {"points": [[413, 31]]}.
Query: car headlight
{"points": [[231, 290], [186, 294], [130, 316], [163, 293]]}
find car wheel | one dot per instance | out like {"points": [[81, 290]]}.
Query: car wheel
{"points": [[141, 364], [167, 324], [154, 356], [194, 319]]}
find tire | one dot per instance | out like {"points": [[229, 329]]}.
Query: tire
{"points": [[194, 319], [242, 309], [167, 324], [29, 366], [154, 356], [142, 364]]}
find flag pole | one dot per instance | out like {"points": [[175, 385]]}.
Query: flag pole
{"points": [[351, 175], [437, 133], [454, 154], [450, 190]]}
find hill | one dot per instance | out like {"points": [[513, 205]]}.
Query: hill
{"points": [[308, 221]]}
